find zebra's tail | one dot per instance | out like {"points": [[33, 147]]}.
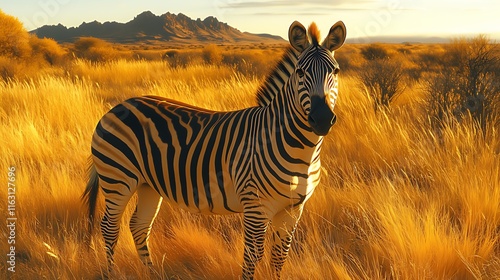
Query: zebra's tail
{"points": [[89, 196]]}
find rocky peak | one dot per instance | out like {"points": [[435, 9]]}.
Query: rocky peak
{"points": [[148, 26]]}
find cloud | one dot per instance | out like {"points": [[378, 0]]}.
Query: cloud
{"points": [[287, 14], [342, 4], [451, 5]]}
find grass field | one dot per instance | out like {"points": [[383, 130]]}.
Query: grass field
{"points": [[398, 199]]}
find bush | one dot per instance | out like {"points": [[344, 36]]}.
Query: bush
{"points": [[344, 60], [469, 82], [95, 49], [430, 60], [374, 51], [170, 54], [14, 39], [442, 97], [173, 58], [8, 68], [48, 49], [383, 80], [212, 54]]}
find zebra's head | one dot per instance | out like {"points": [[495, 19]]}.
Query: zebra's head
{"points": [[316, 73]]}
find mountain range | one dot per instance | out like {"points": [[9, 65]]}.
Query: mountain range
{"points": [[147, 27]]}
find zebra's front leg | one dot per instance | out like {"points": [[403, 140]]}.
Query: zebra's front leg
{"points": [[255, 226], [283, 225]]}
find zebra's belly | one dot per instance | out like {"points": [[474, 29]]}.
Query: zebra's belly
{"points": [[205, 209], [205, 199]]}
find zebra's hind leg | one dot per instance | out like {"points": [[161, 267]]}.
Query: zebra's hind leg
{"points": [[148, 204], [117, 194], [283, 224]]}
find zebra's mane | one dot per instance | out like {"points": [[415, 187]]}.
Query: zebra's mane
{"points": [[314, 33], [277, 78]]}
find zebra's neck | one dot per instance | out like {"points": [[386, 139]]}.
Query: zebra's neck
{"points": [[277, 78], [284, 111], [286, 148], [288, 114], [279, 96]]}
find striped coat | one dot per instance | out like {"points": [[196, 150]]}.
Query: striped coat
{"points": [[262, 161]]}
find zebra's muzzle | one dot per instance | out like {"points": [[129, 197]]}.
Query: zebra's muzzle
{"points": [[321, 118]]}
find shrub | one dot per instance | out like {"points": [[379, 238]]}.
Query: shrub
{"points": [[344, 60], [14, 40], [212, 54], [95, 49], [173, 58], [170, 54], [23, 55], [374, 51], [469, 82], [383, 80], [430, 60], [442, 96], [7, 68], [48, 49]]}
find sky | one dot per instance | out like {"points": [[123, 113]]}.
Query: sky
{"points": [[363, 18]]}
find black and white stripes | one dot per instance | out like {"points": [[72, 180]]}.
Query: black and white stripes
{"points": [[262, 161]]}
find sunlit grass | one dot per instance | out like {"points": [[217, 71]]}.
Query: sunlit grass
{"points": [[397, 200]]}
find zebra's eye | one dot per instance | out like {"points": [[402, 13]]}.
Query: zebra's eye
{"points": [[300, 72], [336, 71]]}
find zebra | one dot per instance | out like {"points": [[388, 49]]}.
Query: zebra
{"points": [[262, 161]]}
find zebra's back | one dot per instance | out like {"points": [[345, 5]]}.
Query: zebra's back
{"points": [[191, 156]]}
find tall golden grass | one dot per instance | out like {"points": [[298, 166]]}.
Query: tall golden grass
{"points": [[397, 200]]}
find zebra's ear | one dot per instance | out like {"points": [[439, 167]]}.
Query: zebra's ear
{"points": [[297, 36], [336, 37]]}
